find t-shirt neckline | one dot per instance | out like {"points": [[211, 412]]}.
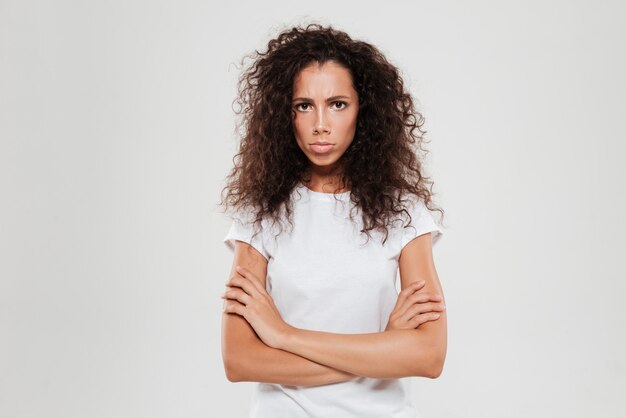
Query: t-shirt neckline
{"points": [[324, 196]]}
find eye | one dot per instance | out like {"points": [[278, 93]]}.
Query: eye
{"points": [[298, 106], [341, 105]]}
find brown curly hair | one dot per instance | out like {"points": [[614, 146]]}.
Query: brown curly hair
{"points": [[383, 162]]}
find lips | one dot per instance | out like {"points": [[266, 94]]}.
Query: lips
{"points": [[322, 147]]}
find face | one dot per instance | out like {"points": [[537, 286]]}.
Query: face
{"points": [[325, 108]]}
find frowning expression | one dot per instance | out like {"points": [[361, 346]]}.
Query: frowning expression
{"points": [[325, 108]]}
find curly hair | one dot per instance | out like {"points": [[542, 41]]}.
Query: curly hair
{"points": [[381, 165]]}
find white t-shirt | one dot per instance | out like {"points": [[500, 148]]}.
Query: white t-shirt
{"points": [[323, 276]]}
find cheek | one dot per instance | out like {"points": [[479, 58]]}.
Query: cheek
{"points": [[297, 126], [348, 123]]}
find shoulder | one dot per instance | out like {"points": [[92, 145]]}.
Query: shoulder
{"points": [[419, 220], [246, 229]]}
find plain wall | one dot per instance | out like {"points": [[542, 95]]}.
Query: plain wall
{"points": [[117, 133]]}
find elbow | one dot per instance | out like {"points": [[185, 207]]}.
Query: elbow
{"points": [[436, 364], [429, 361], [435, 371], [231, 374], [232, 369]]}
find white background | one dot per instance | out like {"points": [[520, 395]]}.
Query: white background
{"points": [[116, 135]]}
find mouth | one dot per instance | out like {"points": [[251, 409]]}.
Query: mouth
{"points": [[322, 147]]}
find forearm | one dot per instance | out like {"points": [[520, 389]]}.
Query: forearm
{"points": [[383, 355], [259, 363]]}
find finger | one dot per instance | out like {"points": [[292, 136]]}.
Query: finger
{"points": [[418, 320], [421, 297], [412, 309], [245, 284], [420, 308], [233, 307], [403, 298], [415, 285], [236, 294], [250, 276], [407, 291]]}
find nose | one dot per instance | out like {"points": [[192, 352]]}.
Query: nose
{"points": [[321, 126]]}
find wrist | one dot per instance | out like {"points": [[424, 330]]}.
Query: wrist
{"points": [[286, 337]]}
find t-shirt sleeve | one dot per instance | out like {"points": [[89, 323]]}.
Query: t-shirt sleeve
{"points": [[422, 222], [242, 229]]}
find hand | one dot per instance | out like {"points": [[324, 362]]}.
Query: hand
{"points": [[413, 308], [247, 297]]}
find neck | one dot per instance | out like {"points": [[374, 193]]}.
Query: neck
{"points": [[325, 182]]}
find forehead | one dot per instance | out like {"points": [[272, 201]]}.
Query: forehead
{"points": [[329, 73]]}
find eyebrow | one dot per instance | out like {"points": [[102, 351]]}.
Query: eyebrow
{"points": [[330, 99]]}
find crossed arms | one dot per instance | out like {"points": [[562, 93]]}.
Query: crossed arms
{"points": [[312, 358]]}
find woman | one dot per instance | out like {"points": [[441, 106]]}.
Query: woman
{"points": [[329, 202]]}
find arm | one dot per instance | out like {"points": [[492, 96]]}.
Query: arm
{"points": [[247, 358], [414, 352]]}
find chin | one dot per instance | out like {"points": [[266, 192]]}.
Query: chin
{"points": [[322, 162], [323, 159]]}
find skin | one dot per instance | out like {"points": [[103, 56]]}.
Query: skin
{"points": [[414, 342], [247, 358], [325, 108]]}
